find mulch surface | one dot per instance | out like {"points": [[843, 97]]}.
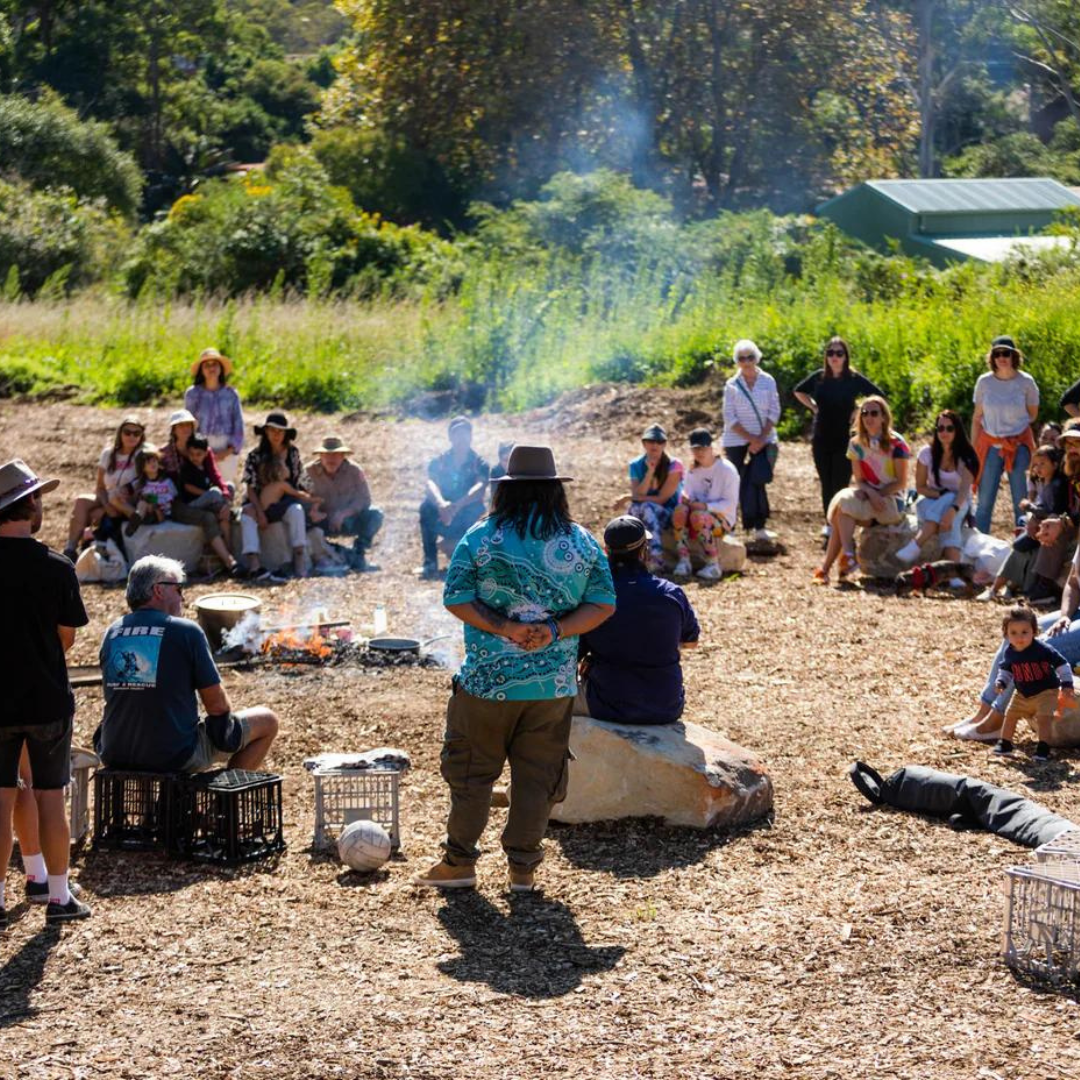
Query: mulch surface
{"points": [[832, 940]]}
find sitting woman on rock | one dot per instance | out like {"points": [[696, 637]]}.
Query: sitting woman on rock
{"points": [[879, 469], [945, 471], [655, 484], [275, 460]]}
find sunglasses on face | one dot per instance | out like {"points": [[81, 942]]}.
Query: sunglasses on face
{"points": [[131, 432], [835, 352], [871, 412], [178, 586], [999, 353], [946, 427], [746, 359]]}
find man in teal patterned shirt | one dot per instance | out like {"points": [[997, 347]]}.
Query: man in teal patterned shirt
{"points": [[526, 581]]}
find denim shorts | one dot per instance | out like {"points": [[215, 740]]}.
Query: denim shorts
{"points": [[49, 747]]}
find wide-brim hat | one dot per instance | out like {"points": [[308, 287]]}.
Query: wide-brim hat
{"points": [[530, 463], [333, 445], [181, 416], [1070, 433], [17, 480], [212, 354], [277, 420]]}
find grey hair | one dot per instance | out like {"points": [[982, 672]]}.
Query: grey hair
{"points": [[146, 573], [745, 345]]}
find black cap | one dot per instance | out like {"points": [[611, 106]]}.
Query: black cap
{"points": [[1003, 342], [654, 433], [701, 437], [625, 533]]}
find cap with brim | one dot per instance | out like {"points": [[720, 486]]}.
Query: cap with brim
{"points": [[277, 420], [181, 416], [333, 445], [1070, 433], [700, 437], [211, 354], [625, 533], [459, 422], [530, 463], [654, 433], [18, 480], [1004, 342]]}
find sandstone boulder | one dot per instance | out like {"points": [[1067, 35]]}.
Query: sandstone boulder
{"points": [[274, 550], [682, 773], [878, 544], [1066, 731], [169, 538], [732, 553]]}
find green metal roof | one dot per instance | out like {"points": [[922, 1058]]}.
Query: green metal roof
{"points": [[976, 196]]}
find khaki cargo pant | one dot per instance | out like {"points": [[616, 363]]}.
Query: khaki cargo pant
{"points": [[481, 735]]}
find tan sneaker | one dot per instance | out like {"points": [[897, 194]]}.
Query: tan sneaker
{"points": [[522, 880], [444, 876]]}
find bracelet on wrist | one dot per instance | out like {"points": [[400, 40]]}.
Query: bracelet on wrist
{"points": [[553, 626]]}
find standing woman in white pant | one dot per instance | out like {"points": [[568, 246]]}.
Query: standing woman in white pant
{"points": [[216, 408], [275, 459]]}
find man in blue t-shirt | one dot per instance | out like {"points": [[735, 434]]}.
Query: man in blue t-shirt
{"points": [[630, 664], [153, 663], [526, 581]]}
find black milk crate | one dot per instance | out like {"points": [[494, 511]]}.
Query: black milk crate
{"points": [[132, 810], [228, 816]]}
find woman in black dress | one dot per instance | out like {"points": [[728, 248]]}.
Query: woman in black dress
{"points": [[830, 394]]}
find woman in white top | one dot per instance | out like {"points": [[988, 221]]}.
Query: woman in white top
{"points": [[115, 471], [1006, 403], [751, 412], [944, 474]]}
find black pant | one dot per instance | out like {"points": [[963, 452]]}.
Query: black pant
{"points": [[833, 469], [363, 525], [753, 498], [431, 526]]}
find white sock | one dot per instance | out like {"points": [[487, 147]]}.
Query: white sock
{"points": [[34, 867], [58, 889], [1, 893]]}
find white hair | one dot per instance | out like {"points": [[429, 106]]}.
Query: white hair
{"points": [[146, 573], [745, 345]]}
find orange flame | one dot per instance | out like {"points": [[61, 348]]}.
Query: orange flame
{"points": [[289, 641]]}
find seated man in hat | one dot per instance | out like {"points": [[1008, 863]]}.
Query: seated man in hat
{"points": [[153, 664], [629, 666], [346, 498], [454, 499]]}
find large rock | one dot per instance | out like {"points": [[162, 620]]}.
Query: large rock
{"points": [[682, 773], [878, 545], [169, 538], [274, 550], [732, 553], [1066, 731]]}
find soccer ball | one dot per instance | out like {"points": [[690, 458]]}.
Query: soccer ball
{"points": [[364, 845]]}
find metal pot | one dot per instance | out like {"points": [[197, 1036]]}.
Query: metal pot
{"points": [[403, 644], [220, 612]]}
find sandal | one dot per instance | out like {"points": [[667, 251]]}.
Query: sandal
{"points": [[820, 577], [848, 565]]}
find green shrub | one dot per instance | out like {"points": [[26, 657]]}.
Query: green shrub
{"points": [[46, 144]]}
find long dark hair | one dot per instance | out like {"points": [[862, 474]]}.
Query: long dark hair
{"points": [[826, 371], [200, 378], [536, 508], [962, 450]]}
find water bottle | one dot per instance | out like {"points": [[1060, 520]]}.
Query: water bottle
{"points": [[379, 619]]}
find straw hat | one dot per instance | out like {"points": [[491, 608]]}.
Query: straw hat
{"points": [[211, 354], [17, 480]]}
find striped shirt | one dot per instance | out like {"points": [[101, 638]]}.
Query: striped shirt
{"points": [[738, 410]]}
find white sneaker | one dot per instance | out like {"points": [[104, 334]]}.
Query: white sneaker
{"points": [[909, 552], [682, 568], [986, 595], [766, 536], [710, 572]]}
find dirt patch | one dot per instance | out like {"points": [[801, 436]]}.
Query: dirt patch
{"points": [[831, 941]]}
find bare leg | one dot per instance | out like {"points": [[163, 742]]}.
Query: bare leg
{"points": [[26, 815], [263, 726], [55, 833], [81, 518], [832, 549], [928, 530], [846, 525], [7, 839], [219, 548]]}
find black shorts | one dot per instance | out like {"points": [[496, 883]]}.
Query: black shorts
{"points": [[49, 746]]}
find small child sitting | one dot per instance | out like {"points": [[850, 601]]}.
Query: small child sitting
{"points": [[1047, 496], [710, 500], [153, 491], [1041, 675], [276, 491]]}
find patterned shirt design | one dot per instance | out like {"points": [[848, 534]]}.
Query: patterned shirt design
{"points": [[877, 463], [528, 580]]}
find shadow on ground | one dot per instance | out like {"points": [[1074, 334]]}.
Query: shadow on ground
{"points": [[21, 975], [535, 950]]}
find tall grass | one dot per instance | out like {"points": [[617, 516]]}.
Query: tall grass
{"points": [[517, 334]]}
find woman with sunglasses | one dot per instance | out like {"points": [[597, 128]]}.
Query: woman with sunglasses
{"points": [[879, 469], [945, 471], [1006, 404], [751, 412], [830, 394], [115, 471]]}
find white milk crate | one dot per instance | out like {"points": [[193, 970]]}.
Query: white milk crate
{"points": [[343, 796], [1065, 847], [1042, 921], [78, 791]]}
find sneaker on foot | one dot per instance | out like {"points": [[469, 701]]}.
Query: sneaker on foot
{"points": [[73, 909], [908, 553], [682, 568], [986, 595], [710, 572], [37, 892], [1042, 752], [71, 554], [1006, 594], [444, 876], [1002, 748], [764, 536], [522, 880], [429, 571]]}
